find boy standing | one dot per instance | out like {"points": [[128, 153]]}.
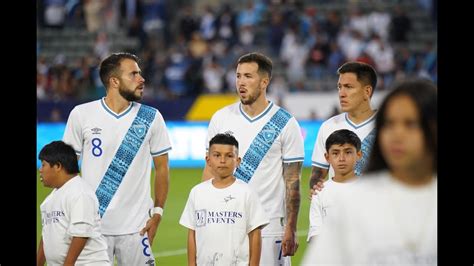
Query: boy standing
{"points": [[343, 150], [70, 214], [223, 215]]}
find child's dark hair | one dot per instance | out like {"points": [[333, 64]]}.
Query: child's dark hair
{"points": [[343, 136], [60, 153], [224, 138]]}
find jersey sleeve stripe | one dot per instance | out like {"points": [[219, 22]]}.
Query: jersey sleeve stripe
{"points": [[161, 152], [296, 159], [321, 165]]}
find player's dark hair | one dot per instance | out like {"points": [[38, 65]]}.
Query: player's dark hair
{"points": [[365, 73], [264, 63], [224, 138], [60, 153], [424, 94], [111, 65], [341, 137]]}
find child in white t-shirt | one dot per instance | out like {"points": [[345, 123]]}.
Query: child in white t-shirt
{"points": [[223, 215]]}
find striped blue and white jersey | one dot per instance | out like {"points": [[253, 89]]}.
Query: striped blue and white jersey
{"points": [[96, 133], [365, 131], [277, 139]]}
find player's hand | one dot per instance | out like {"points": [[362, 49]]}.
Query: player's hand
{"points": [[289, 244], [151, 227], [316, 189]]}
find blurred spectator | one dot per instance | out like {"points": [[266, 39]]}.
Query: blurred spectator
{"points": [[400, 25], [207, 26], [93, 11], [188, 24], [101, 45], [54, 13], [226, 25], [213, 76]]}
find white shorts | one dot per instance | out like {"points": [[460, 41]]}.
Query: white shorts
{"points": [[131, 249], [272, 235]]}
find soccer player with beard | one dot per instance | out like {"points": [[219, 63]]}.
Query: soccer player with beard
{"points": [[117, 139], [272, 152]]}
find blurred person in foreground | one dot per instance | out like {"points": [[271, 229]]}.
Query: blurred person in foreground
{"points": [[390, 216], [118, 138]]}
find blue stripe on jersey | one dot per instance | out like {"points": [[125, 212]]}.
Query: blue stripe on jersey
{"points": [[361, 125], [296, 159], [321, 165], [160, 152], [366, 147], [124, 157], [261, 144], [102, 101]]}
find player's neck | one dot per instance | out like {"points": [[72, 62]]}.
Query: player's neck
{"points": [[360, 115], [349, 177], [256, 107], [223, 182], [116, 103]]}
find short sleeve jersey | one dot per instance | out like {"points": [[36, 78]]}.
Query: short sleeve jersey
{"points": [[267, 180], [365, 131], [96, 133]]}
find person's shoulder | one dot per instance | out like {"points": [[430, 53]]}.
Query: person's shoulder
{"points": [[281, 109], [335, 119], [87, 106], [201, 186], [224, 112]]}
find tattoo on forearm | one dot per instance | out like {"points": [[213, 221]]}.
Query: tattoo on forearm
{"points": [[317, 174], [291, 174]]}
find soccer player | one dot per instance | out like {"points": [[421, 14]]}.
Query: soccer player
{"points": [[272, 147], [389, 217], [69, 214], [342, 152], [117, 139], [356, 86], [223, 214]]}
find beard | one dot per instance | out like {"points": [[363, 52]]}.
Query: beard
{"points": [[129, 95], [252, 98]]}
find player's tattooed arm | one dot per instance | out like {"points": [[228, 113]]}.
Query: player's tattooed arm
{"points": [[316, 180], [291, 174]]}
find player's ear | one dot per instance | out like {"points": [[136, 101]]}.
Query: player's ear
{"points": [[238, 161], [368, 92], [326, 155], [359, 154]]}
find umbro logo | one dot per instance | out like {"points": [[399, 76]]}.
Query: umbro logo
{"points": [[96, 130], [151, 262], [228, 198]]}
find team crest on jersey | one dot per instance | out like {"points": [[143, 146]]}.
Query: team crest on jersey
{"points": [[268, 134], [139, 130], [201, 217]]}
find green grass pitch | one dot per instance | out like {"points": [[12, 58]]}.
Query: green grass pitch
{"points": [[170, 243]]}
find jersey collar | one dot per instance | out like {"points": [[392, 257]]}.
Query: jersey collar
{"points": [[124, 112], [251, 120]]}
